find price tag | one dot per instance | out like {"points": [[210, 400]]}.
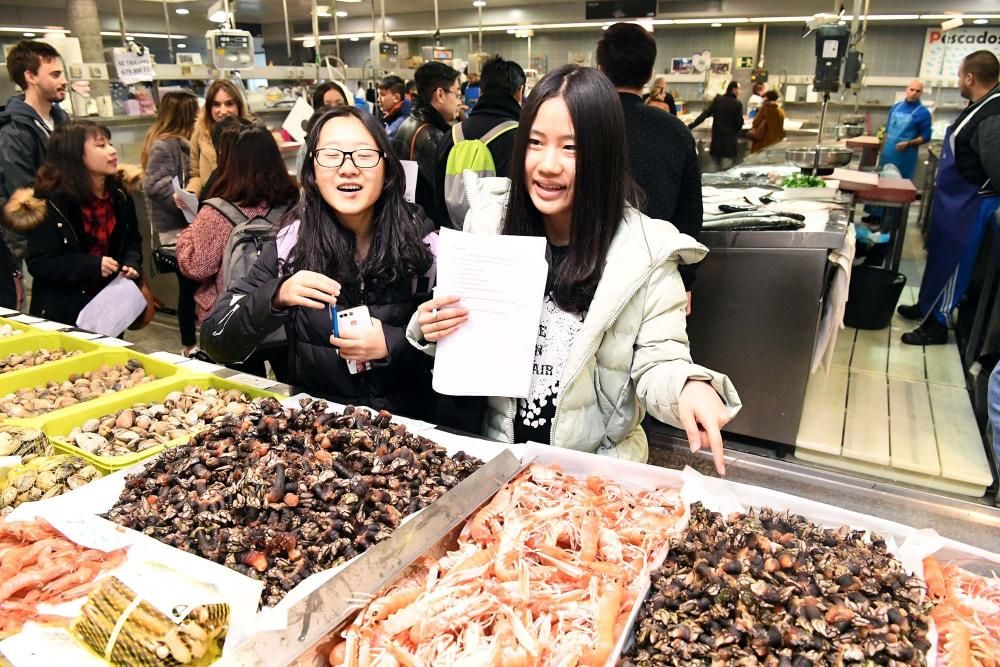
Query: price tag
{"points": [[199, 366], [114, 342], [26, 319], [91, 532], [253, 380], [170, 357], [85, 335], [47, 325]]}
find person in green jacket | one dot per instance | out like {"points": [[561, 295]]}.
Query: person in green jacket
{"points": [[611, 342]]}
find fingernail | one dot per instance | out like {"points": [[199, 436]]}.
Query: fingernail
{"points": [[694, 448]]}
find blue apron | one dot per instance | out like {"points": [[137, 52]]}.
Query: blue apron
{"points": [[958, 220], [901, 127]]}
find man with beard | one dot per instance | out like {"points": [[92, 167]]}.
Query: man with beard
{"points": [[25, 125], [966, 195]]}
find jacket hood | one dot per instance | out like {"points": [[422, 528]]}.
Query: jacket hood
{"points": [[18, 109], [24, 211]]}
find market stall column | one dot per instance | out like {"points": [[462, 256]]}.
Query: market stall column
{"points": [[908, 126]]}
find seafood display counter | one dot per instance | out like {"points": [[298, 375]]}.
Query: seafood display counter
{"points": [[284, 530]]}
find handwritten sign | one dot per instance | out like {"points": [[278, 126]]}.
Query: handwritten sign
{"points": [[133, 67]]}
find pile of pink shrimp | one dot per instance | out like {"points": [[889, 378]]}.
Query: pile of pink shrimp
{"points": [[545, 574], [966, 613], [39, 565]]}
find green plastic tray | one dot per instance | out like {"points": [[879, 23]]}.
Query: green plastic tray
{"points": [[57, 427], [32, 342], [60, 370]]}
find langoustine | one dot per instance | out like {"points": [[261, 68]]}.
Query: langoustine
{"points": [[966, 613], [544, 574], [39, 565]]}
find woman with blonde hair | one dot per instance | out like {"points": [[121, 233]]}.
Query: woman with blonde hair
{"points": [[659, 97], [166, 155], [222, 99]]}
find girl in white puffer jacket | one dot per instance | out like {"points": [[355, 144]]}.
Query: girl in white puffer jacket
{"points": [[612, 341]]}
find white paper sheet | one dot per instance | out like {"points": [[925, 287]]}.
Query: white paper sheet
{"points": [[410, 170], [114, 342], [5, 312], [26, 319], [113, 309], [199, 366], [190, 208], [295, 121], [169, 357], [501, 280], [47, 325], [253, 380]]}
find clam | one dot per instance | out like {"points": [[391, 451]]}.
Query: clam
{"points": [[126, 418], [90, 442], [90, 426]]}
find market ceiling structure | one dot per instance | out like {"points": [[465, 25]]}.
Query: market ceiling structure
{"points": [[416, 17]]}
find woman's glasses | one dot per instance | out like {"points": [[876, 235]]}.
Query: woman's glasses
{"points": [[363, 158]]}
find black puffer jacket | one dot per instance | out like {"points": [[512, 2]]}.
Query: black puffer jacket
{"points": [[400, 383], [66, 276]]}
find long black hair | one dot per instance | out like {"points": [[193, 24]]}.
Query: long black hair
{"points": [[325, 246], [601, 187], [63, 172]]}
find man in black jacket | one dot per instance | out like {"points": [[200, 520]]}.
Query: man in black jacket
{"points": [[501, 90], [25, 125], [437, 105], [662, 155], [727, 112]]}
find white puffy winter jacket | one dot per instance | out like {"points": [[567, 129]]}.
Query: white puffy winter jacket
{"points": [[631, 354]]}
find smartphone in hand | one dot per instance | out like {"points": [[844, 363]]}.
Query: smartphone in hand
{"points": [[353, 323]]}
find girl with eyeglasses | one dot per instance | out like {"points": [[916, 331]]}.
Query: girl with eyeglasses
{"points": [[611, 341], [356, 242]]}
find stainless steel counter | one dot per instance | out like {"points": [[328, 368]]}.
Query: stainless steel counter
{"points": [[756, 307]]}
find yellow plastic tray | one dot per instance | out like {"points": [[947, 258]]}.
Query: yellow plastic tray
{"points": [[32, 342], [59, 426], [16, 325], [59, 371]]}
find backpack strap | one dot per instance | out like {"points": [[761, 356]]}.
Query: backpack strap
{"points": [[502, 128], [275, 215], [413, 141], [234, 215], [456, 134]]}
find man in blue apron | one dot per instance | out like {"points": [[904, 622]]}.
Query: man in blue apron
{"points": [[908, 126], [967, 193]]}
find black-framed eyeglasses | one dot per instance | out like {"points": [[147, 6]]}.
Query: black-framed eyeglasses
{"points": [[363, 158]]}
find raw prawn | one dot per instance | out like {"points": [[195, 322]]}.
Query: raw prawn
{"points": [[40, 565], [544, 574], [967, 614]]}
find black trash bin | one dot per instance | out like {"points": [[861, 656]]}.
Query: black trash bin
{"points": [[872, 297]]}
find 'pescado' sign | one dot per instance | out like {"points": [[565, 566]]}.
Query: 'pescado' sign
{"points": [[944, 50]]}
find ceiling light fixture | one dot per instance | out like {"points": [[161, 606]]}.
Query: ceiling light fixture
{"points": [[479, 3], [981, 21], [341, 14], [23, 29], [144, 35], [716, 25], [354, 39], [182, 46], [29, 34], [182, 11]]}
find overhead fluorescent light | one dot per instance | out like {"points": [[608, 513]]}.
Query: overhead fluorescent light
{"points": [[29, 34], [144, 35], [182, 46], [716, 25], [891, 17], [354, 39], [341, 14], [23, 29], [182, 11], [708, 21], [981, 21], [779, 19]]}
